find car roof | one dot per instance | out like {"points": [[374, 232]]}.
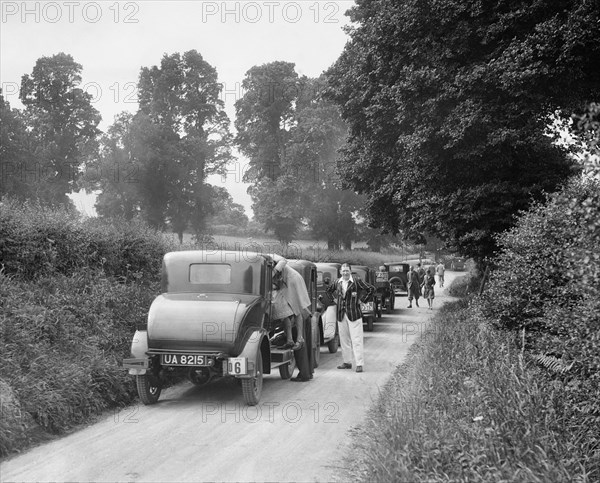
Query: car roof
{"points": [[215, 256], [301, 263]]}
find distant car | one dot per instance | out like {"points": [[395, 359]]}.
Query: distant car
{"points": [[328, 328], [457, 263], [398, 277], [369, 308], [384, 292]]}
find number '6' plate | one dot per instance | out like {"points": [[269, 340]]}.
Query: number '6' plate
{"points": [[237, 366]]}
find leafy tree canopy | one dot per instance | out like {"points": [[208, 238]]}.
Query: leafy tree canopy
{"points": [[448, 104], [62, 123], [291, 136], [164, 152]]}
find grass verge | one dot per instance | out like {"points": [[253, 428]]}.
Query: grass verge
{"points": [[466, 406]]}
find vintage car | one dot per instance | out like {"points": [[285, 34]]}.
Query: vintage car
{"points": [[369, 308], [308, 270], [384, 293], [458, 263], [328, 328], [397, 277], [213, 319]]}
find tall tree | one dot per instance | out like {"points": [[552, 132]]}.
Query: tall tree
{"points": [[264, 116], [188, 139], [62, 121], [279, 205], [448, 105], [225, 211], [18, 170], [312, 153], [115, 172]]}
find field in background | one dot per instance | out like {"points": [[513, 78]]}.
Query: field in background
{"points": [[313, 250]]}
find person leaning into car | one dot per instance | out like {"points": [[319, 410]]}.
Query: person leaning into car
{"points": [[350, 292]]}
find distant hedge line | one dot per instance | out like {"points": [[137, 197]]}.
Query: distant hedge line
{"points": [[72, 292]]}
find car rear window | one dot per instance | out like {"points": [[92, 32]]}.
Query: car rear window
{"points": [[361, 273], [210, 273]]}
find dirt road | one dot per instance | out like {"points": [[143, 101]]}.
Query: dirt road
{"points": [[299, 432]]}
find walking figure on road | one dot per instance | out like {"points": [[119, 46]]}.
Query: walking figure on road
{"points": [[413, 286], [428, 288], [440, 269], [350, 291]]}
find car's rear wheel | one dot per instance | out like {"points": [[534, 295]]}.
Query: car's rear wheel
{"points": [[148, 387], [252, 387], [334, 344], [286, 370]]}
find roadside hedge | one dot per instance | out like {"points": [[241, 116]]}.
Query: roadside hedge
{"points": [[36, 240], [72, 292], [546, 286]]}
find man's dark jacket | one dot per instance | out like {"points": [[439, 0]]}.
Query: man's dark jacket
{"points": [[357, 291]]}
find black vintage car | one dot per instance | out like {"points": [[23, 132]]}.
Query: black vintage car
{"points": [[397, 276], [384, 292], [308, 270], [213, 319]]}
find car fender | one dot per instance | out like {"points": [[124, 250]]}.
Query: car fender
{"points": [[139, 358], [256, 340], [329, 318]]}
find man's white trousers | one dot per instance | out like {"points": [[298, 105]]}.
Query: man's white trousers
{"points": [[351, 340]]}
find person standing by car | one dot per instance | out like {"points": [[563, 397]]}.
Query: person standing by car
{"points": [[440, 269], [428, 288], [349, 292], [413, 286], [292, 297]]}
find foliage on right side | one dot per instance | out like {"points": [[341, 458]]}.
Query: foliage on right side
{"points": [[546, 285], [448, 106]]}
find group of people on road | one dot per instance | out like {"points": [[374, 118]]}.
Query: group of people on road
{"points": [[422, 282], [290, 303]]}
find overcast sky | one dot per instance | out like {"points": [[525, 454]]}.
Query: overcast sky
{"points": [[113, 40]]}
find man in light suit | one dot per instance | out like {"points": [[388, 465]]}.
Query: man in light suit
{"points": [[350, 292]]}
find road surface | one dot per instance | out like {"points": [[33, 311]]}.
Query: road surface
{"points": [[299, 431]]}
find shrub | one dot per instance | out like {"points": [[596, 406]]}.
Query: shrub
{"points": [[36, 241], [466, 406], [547, 285], [72, 293], [63, 339]]}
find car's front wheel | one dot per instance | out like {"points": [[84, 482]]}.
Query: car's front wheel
{"points": [[252, 387], [148, 387]]}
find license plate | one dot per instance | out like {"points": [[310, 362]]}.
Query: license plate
{"points": [[237, 366], [186, 360], [366, 307]]}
